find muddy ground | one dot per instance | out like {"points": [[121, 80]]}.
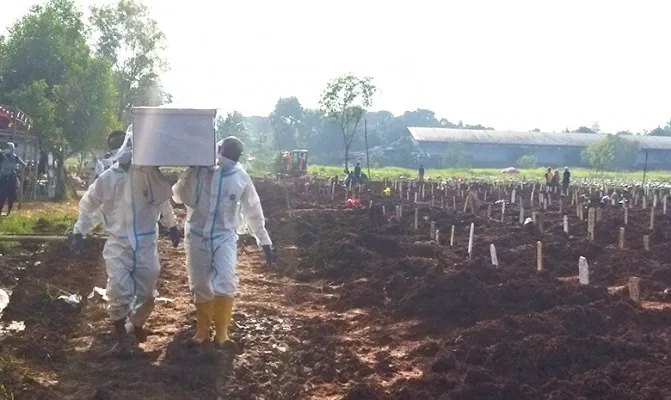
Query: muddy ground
{"points": [[356, 308]]}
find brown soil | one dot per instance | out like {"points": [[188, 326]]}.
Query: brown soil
{"points": [[355, 309]]}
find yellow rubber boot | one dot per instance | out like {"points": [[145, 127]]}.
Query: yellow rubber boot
{"points": [[223, 309], [204, 313]]}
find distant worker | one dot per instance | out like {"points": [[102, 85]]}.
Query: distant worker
{"points": [[357, 174], [221, 202], [548, 179], [131, 199], [9, 166], [421, 172], [566, 181], [555, 180], [96, 169]]}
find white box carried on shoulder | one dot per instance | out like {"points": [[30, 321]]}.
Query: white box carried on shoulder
{"points": [[173, 136]]}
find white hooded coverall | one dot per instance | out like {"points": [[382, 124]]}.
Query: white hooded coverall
{"points": [[131, 204], [220, 204]]}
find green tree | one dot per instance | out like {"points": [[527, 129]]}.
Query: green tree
{"points": [[287, 119], [233, 125], [527, 161], [47, 70], [131, 41], [344, 101], [611, 153], [584, 129]]}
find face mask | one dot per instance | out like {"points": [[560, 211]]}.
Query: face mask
{"points": [[226, 163]]}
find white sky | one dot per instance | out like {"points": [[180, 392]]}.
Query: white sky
{"points": [[510, 64]]}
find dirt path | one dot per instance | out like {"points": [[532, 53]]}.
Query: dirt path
{"points": [[292, 345]]}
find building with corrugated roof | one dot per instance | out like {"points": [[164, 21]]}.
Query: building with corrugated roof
{"points": [[503, 148]]}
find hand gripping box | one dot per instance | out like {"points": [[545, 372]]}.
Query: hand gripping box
{"points": [[173, 136]]}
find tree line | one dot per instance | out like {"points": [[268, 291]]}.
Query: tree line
{"points": [[78, 79]]}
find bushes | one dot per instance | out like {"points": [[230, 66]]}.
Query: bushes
{"points": [[527, 161], [611, 153]]}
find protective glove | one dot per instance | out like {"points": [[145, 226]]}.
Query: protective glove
{"points": [[174, 236], [77, 244], [269, 255]]}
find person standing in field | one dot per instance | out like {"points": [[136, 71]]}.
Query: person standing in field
{"points": [[421, 172], [357, 174], [9, 181], [566, 180], [221, 202], [548, 179]]}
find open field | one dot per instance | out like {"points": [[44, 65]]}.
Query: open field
{"points": [[360, 307], [528, 174]]}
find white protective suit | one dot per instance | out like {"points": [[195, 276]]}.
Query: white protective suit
{"points": [[220, 204], [131, 204]]}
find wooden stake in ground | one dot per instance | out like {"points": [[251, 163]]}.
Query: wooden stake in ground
{"points": [[432, 230], [521, 213], [512, 197], [492, 253], [400, 211], [437, 236], [664, 205], [534, 217], [416, 195], [454, 203], [470, 241], [646, 242], [635, 289], [566, 224], [539, 256], [590, 223], [384, 213], [416, 218], [583, 271], [561, 205], [652, 218], [489, 211], [452, 236], [599, 213], [626, 215], [620, 240], [503, 211], [468, 198]]}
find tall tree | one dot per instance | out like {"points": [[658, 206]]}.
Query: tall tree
{"points": [[232, 125], [286, 120], [133, 44], [344, 101], [47, 70]]}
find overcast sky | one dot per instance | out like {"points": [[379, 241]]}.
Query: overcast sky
{"points": [[510, 64]]}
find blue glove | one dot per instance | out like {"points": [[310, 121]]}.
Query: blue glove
{"points": [[77, 244], [269, 255], [174, 236]]}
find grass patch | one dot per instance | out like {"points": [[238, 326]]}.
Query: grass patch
{"points": [[54, 222], [525, 174]]}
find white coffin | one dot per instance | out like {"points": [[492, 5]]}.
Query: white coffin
{"points": [[173, 136]]}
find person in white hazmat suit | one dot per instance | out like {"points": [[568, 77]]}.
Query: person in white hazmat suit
{"points": [[130, 199], [221, 202]]}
